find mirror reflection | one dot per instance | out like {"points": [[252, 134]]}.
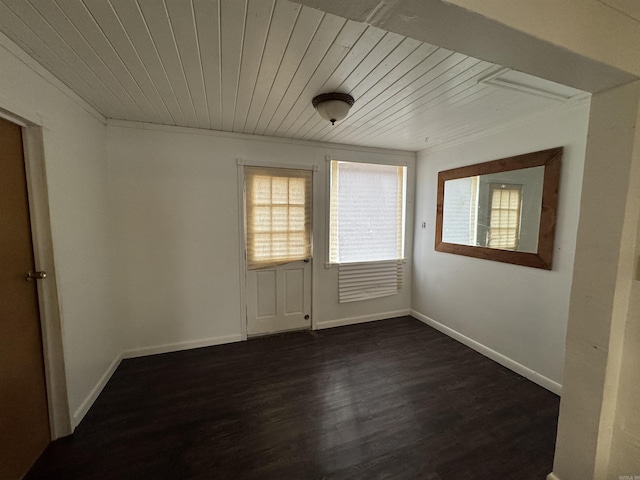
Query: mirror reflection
{"points": [[498, 210], [503, 210]]}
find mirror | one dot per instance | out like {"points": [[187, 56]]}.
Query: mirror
{"points": [[503, 210]]}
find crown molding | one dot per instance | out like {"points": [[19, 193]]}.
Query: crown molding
{"points": [[255, 138]]}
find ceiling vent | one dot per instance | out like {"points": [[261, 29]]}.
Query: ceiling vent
{"points": [[525, 83]]}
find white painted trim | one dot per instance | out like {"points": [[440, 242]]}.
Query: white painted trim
{"points": [[315, 206], [176, 347], [327, 213], [268, 164], [340, 322], [492, 354], [15, 50], [243, 251], [48, 303], [84, 407], [371, 161], [552, 476], [10, 117], [255, 138]]}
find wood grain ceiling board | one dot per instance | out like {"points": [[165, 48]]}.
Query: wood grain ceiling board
{"points": [[259, 18], [139, 35], [253, 66], [156, 18], [426, 97], [207, 25], [104, 47], [100, 75], [285, 18], [291, 112], [34, 42]]}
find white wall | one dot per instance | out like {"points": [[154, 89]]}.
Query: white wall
{"points": [[516, 314], [600, 338], [624, 446], [581, 26], [625, 441], [176, 230], [76, 169]]}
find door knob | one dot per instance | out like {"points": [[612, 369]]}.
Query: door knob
{"points": [[35, 276], [307, 260]]}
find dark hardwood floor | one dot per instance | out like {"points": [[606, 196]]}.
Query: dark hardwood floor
{"points": [[391, 399]]}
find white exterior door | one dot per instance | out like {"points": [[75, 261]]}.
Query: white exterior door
{"points": [[279, 298], [277, 205]]}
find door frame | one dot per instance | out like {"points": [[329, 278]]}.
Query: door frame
{"points": [[241, 230], [48, 302]]}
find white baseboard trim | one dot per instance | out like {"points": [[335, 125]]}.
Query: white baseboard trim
{"points": [[84, 407], [492, 354], [364, 318], [175, 347], [552, 476]]}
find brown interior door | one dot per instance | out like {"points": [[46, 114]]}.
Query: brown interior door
{"points": [[24, 420]]}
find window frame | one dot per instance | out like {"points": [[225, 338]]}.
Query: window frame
{"points": [[329, 158]]}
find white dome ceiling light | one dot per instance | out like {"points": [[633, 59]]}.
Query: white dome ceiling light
{"points": [[333, 106]]}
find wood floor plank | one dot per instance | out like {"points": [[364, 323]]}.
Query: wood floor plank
{"points": [[389, 399]]}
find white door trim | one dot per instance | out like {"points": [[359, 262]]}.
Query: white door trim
{"points": [[243, 253], [241, 233], [52, 345]]}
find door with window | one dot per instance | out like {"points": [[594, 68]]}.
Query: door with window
{"points": [[277, 205]]}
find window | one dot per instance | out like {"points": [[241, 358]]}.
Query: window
{"points": [[367, 212], [278, 215], [504, 216], [461, 211], [366, 231]]}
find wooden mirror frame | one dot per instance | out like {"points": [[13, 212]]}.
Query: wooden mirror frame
{"points": [[550, 160]]}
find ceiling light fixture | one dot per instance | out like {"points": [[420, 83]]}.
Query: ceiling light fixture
{"points": [[333, 106]]}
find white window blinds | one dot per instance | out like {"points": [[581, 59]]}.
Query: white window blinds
{"points": [[278, 215], [361, 281], [366, 212], [366, 232]]}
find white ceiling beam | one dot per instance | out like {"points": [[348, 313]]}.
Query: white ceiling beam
{"points": [[482, 35]]}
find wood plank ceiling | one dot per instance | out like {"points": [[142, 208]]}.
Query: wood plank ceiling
{"points": [[253, 66]]}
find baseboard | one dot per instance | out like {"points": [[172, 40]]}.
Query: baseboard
{"points": [[175, 347], [492, 354], [84, 407], [362, 319], [552, 476]]}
